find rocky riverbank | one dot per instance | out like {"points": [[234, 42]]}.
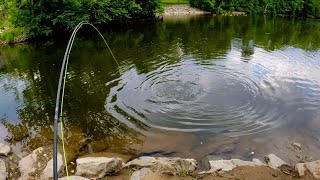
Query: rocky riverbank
{"points": [[182, 9], [38, 165]]}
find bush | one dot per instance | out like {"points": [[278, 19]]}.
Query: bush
{"points": [[302, 8], [13, 35], [45, 17], [207, 5]]}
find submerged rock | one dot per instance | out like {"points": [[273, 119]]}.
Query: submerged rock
{"points": [[313, 167], [98, 166], [3, 170], [297, 145], [138, 175], [173, 166], [228, 165], [48, 171], [4, 150], [274, 161]]}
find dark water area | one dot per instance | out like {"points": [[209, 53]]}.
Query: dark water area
{"points": [[200, 87]]}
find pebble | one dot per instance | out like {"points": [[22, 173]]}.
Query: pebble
{"points": [[296, 145], [4, 150]]}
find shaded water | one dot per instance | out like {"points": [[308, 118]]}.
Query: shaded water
{"points": [[202, 87]]}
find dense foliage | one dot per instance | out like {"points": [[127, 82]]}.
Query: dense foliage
{"points": [[45, 17], [302, 8]]}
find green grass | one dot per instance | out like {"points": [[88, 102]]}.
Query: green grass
{"points": [[175, 1]]}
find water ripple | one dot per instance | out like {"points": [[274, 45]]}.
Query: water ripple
{"points": [[211, 96]]}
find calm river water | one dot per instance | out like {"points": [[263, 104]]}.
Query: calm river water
{"points": [[201, 87]]}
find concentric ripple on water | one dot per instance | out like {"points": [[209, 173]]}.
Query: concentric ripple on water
{"points": [[191, 97]]}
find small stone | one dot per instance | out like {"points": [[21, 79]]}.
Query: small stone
{"points": [[4, 150], [3, 170], [274, 161], [138, 175], [301, 168], [296, 145], [72, 171]]}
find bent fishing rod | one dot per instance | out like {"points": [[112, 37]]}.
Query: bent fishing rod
{"points": [[58, 114]]}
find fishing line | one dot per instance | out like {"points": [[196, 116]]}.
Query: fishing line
{"points": [[58, 117]]}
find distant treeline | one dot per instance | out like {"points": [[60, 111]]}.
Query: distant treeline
{"points": [[38, 18], [301, 8]]}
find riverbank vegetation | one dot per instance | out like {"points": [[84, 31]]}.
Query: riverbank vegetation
{"points": [[29, 19], [300, 8], [32, 19], [175, 1]]}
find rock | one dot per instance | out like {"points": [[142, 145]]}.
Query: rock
{"points": [[3, 170], [296, 145], [301, 168], [228, 165], [142, 162], [173, 166], [226, 149], [74, 178], [28, 163], [98, 166], [124, 157], [138, 175], [4, 150], [313, 167], [48, 171], [274, 161]]}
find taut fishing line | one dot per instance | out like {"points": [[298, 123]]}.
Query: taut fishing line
{"points": [[58, 118]]}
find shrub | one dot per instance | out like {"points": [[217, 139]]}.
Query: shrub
{"points": [[207, 5]]}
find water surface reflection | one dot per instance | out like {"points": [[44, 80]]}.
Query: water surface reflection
{"points": [[201, 87]]}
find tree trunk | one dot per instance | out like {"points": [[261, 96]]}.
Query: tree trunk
{"points": [[265, 9]]}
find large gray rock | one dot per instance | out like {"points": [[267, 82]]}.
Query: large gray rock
{"points": [[313, 167], [48, 171], [74, 178], [4, 150], [28, 163], [228, 165], [172, 166], [142, 162], [138, 175], [175, 166], [275, 162], [3, 170], [98, 166]]}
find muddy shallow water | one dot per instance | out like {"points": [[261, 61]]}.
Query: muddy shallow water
{"points": [[202, 87]]}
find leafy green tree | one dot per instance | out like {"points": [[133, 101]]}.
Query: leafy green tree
{"points": [[44, 18]]}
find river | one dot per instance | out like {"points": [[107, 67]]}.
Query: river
{"points": [[202, 87]]}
